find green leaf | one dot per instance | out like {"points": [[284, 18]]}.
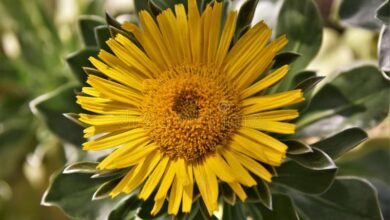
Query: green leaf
{"points": [[233, 212], [302, 76], [81, 167], [360, 13], [285, 58], [306, 180], [228, 194], [339, 104], [73, 194], [104, 190], [111, 21], [265, 193], [126, 210], [383, 12], [141, 5], [369, 161], [316, 160], [301, 21], [349, 198], [102, 34], [283, 208], [245, 16], [384, 50], [78, 60], [309, 83], [87, 24], [296, 147], [50, 108], [338, 144]]}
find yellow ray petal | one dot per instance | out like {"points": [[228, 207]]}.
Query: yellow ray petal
{"points": [[154, 179], [158, 204], [236, 187], [175, 197], [115, 139], [255, 167], [91, 91], [166, 181], [170, 35], [114, 62], [195, 31], [240, 172], [183, 33], [246, 49], [115, 74], [260, 63], [121, 185], [264, 139], [208, 187], [118, 120], [269, 80], [271, 126], [215, 27], [277, 115], [249, 147], [226, 38], [141, 60], [188, 191], [142, 171], [94, 130], [273, 101], [218, 165], [128, 159], [152, 41], [181, 172]]}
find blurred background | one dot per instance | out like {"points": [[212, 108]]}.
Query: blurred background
{"points": [[36, 37]]}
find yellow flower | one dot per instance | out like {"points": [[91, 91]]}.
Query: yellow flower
{"points": [[186, 110]]}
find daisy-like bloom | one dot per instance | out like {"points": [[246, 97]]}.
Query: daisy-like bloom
{"points": [[186, 110]]}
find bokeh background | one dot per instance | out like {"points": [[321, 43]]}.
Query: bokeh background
{"points": [[36, 36]]}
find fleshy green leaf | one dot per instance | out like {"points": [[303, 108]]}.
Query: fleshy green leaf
{"points": [[360, 13], [283, 208], [316, 160], [245, 16], [50, 108], [126, 210], [296, 147], [78, 60], [370, 161], [285, 58], [81, 167], [339, 104], [233, 212], [102, 34], [228, 194], [293, 175], [349, 198], [384, 50], [302, 76], [309, 83], [104, 190], [338, 144], [73, 194], [383, 12], [87, 25], [304, 33]]}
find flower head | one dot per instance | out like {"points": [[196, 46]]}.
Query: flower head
{"points": [[185, 109]]}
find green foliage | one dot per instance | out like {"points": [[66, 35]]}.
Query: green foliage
{"points": [[383, 12], [360, 13], [338, 104], [304, 34]]}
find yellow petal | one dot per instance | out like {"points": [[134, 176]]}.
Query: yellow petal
{"points": [[166, 182], [218, 165], [175, 197], [271, 126], [254, 167], [240, 172], [269, 80], [236, 187], [277, 115], [154, 179]]}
